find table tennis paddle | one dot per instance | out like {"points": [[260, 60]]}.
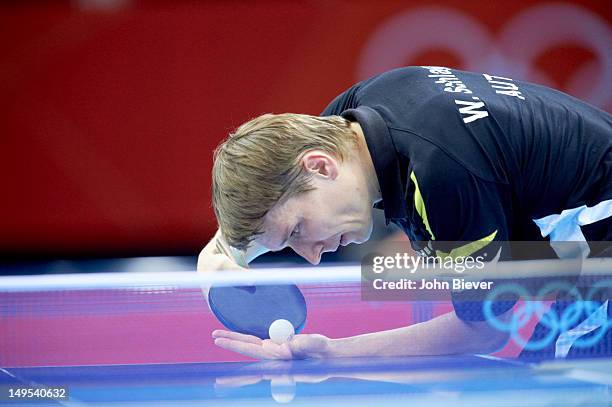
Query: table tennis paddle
{"points": [[251, 309]]}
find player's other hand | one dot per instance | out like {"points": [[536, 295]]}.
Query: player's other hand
{"points": [[301, 346]]}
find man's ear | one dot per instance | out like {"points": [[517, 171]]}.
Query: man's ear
{"points": [[321, 164]]}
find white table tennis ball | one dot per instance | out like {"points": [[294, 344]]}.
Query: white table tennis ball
{"points": [[281, 331], [282, 389]]}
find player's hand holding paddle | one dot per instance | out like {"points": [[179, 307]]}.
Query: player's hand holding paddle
{"points": [[217, 255], [260, 312], [298, 347]]}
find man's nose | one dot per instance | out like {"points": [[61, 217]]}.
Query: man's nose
{"points": [[310, 252]]}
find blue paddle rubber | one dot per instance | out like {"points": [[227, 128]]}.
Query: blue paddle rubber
{"points": [[251, 309]]}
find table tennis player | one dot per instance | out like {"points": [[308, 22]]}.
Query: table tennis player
{"points": [[448, 156]]}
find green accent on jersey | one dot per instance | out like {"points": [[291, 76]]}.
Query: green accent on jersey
{"points": [[468, 249], [419, 204]]}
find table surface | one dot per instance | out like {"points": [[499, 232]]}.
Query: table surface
{"points": [[426, 381]]}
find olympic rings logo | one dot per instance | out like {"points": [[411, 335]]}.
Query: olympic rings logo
{"points": [[579, 309], [511, 53]]}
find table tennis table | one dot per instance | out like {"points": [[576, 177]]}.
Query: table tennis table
{"points": [[413, 381]]}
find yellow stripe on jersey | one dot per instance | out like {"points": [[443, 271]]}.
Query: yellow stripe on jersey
{"points": [[419, 204], [468, 249]]}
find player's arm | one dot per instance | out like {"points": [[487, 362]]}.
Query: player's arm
{"points": [[218, 255], [444, 335]]}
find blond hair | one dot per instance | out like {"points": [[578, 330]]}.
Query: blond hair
{"points": [[258, 166]]}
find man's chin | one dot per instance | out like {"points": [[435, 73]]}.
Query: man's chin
{"points": [[359, 239]]}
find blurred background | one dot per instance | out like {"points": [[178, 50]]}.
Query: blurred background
{"points": [[111, 109]]}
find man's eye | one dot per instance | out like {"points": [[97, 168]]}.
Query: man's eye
{"points": [[295, 231]]}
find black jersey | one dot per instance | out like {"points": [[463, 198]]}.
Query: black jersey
{"points": [[476, 160], [470, 157]]}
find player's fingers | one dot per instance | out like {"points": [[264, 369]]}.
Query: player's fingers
{"points": [[244, 348], [221, 333], [215, 262]]}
